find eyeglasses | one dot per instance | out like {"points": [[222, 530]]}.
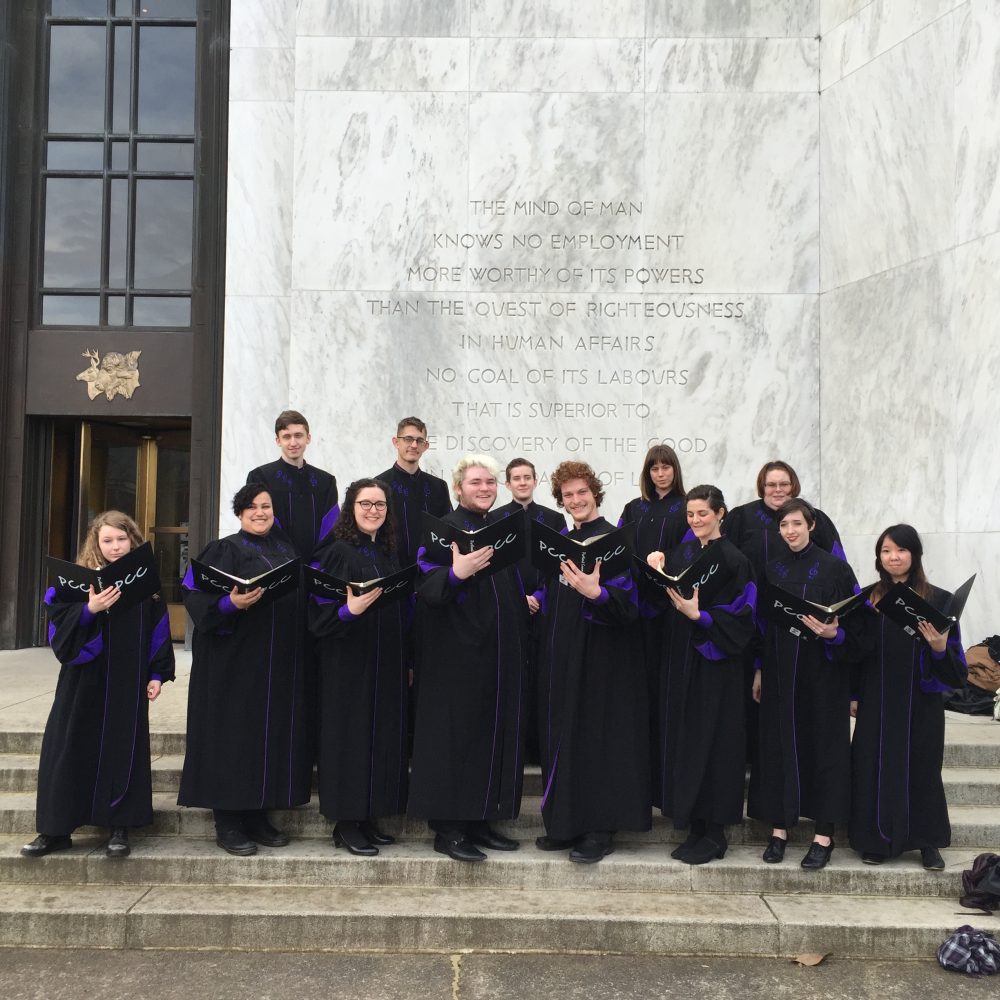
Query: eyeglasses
{"points": [[379, 505], [778, 486], [411, 440]]}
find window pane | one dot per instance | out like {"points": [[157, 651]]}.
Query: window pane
{"points": [[116, 310], [123, 7], [119, 155], [167, 8], [168, 157], [147, 311], [70, 310], [163, 218], [76, 78], [118, 234], [80, 8], [73, 232], [75, 156], [166, 81], [122, 83]]}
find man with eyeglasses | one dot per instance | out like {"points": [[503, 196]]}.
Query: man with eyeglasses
{"points": [[304, 497], [412, 490]]}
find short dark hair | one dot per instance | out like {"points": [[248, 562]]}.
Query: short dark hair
{"points": [[770, 467], [565, 471], [346, 526], [665, 455], [514, 463], [411, 422], [796, 504], [246, 495], [712, 495], [288, 417]]}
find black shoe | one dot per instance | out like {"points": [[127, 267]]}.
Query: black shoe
{"points": [[817, 856], [118, 844], [234, 841], [45, 844], [704, 851], [487, 837], [374, 834], [774, 853], [458, 848], [349, 835], [258, 829], [590, 849], [873, 859], [681, 849], [930, 858], [547, 843]]}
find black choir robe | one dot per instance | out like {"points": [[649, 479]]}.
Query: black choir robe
{"points": [[304, 501], [533, 580], [94, 764], [362, 690], [468, 727], [409, 495], [246, 731], [753, 529], [702, 740], [595, 737], [660, 526], [803, 762], [898, 802]]}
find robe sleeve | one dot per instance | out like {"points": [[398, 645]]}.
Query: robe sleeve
{"points": [[327, 502], [627, 517], [326, 617], [843, 648], [617, 604], [211, 612], [75, 635], [438, 585], [826, 536], [726, 629], [942, 672], [161, 649]]}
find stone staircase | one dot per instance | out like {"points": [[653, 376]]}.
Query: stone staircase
{"points": [[178, 890]]}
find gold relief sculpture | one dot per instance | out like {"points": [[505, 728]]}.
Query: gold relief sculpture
{"points": [[117, 374]]}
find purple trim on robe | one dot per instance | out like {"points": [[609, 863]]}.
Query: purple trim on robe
{"points": [[542, 597], [622, 583], [50, 596], [329, 520], [453, 580], [838, 551], [161, 634], [90, 651], [710, 651], [602, 598], [52, 632], [552, 778], [689, 536], [86, 615], [705, 620], [322, 600], [426, 565], [838, 639], [188, 582], [156, 677], [747, 596], [226, 606], [345, 614]]}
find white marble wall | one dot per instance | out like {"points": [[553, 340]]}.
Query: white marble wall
{"points": [[831, 167], [910, 246]]}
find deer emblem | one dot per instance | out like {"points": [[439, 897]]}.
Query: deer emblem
{"points": [[117, 374]]}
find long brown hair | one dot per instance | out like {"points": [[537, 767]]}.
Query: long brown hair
{"points": [[90, 550], [661, 454], [906, 537]]}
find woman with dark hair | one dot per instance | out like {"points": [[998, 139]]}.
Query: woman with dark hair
{"points": [[659, 514], [702, 741], [94, 767], [898, 801], [363, 676], [247, 750], [594, 742], [803, 762]]}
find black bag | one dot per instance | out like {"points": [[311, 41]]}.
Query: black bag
{"points": [[981, 884]]}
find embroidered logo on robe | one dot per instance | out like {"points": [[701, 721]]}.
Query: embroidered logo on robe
{"points": [[115, 375]]}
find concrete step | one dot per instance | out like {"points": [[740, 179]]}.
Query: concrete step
{"points": [[962, 785], [631, 868], [972, 826], [29, 741], [417, 919]]}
